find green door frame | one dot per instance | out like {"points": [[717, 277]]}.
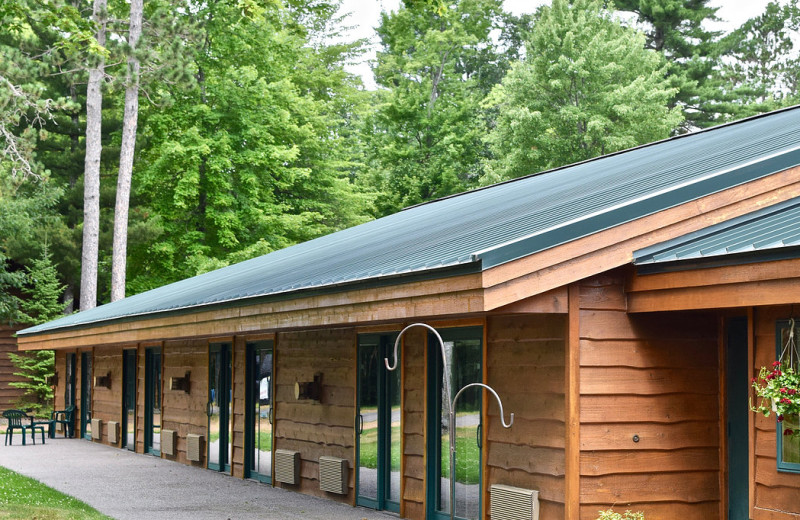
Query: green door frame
{"points": [[152, 399], [384, 344], [738, 389], [86, 395], [128, 397], [436, 414], [221, 398], [252, 396]]}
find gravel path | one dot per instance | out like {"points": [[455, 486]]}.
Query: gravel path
{"points": [[127, 485]]}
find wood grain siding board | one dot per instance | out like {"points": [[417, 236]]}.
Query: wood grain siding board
{"points": [[184, 412], [612, 248], [772, 514], [775, 491], [572, 404], [413, 423], [655, 377], [317, 428], [9, 395], [436, 298], [525, 365], [107, 402], [238, 384]]}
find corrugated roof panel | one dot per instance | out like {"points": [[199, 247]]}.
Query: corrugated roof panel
{"points": [[770, 228], [490, 226]]}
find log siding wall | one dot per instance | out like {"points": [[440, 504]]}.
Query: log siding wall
{"points": [[107, 402], [655, 377], [184, 412], [777, 494], [413, 423], [317, 428], [525, 359], [9, 396]]}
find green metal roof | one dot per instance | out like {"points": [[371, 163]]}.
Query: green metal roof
{"points": [[768, 234], [483, 228]]}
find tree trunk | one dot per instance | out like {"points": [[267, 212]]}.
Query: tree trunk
{"points": [[91, 171], [128, 145]]}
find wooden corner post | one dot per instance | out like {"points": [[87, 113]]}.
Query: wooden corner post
{"points": [[572, 447]]}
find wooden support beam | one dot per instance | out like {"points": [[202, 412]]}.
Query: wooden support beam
{"points": [[572, 450]]}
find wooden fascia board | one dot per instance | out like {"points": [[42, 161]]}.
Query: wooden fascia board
{"points": [[445, 297], [605, 250], [725, 296]]}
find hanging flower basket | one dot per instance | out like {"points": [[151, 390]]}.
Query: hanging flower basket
{"points": [[778, 386]]}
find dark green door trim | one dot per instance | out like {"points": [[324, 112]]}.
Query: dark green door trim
{"points": [[152, 400], [219, 401], [434, 470], [86, 395], [383, 345], [253, 397], [738, 410], [128, 398]]}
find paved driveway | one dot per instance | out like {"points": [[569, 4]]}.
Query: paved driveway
{"points": [[127, 485]]}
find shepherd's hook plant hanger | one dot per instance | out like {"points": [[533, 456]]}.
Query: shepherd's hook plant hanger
{"points": [[790, 349], [451, 412]]}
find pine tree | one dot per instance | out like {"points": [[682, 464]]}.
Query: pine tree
{"points": [[42, 303]]}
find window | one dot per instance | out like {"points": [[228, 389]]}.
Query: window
{"points": [[788, 447]]}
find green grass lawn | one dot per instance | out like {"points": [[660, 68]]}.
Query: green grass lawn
{"points": [[23, 497], [468, 469]]}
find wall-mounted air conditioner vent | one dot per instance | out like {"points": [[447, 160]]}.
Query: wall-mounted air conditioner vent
{"points": [[168, 441], [287, 466], [97, 433], [333, 475], [511, 503], [113, 432], [194, 447]]}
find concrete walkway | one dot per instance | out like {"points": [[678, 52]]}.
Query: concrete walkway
{"points": [[127, 485]]}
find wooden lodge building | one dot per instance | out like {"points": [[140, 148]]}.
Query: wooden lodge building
{"points": [[619, 307]]}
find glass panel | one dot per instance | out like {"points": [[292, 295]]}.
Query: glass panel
{"points": [[156, 393], [262, 380], [368, 354], [790, 446], [393, 493], [69, 394], [86, 394], [214, 371], [464, 364], [129, 399]]}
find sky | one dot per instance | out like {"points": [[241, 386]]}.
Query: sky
{"points": [[365, 15]]}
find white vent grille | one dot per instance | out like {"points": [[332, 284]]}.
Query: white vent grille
{"points": [[333, 475], [287, 466], [113, 432], [194, 447], [97, 434], [168, 438], [511, 503]]}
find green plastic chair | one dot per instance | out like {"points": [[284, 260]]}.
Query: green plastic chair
{"points": [[64, 417], [15, 418]]}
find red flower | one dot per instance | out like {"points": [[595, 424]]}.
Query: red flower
{"points": [[780, 418], [783, 390], [788, 431], [785, 401], [776, 363], [792, 391]]}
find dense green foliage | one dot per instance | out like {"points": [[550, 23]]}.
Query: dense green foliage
{"points": [[587, 87], [253, 136]]}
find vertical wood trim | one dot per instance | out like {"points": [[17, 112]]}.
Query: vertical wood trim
{"points": [[275, 343], [402, 426], [722, 364], [751, 425], [485, 419], [161, 378], [572, 453], [355, 431], [425, 432], [232, 418]]}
